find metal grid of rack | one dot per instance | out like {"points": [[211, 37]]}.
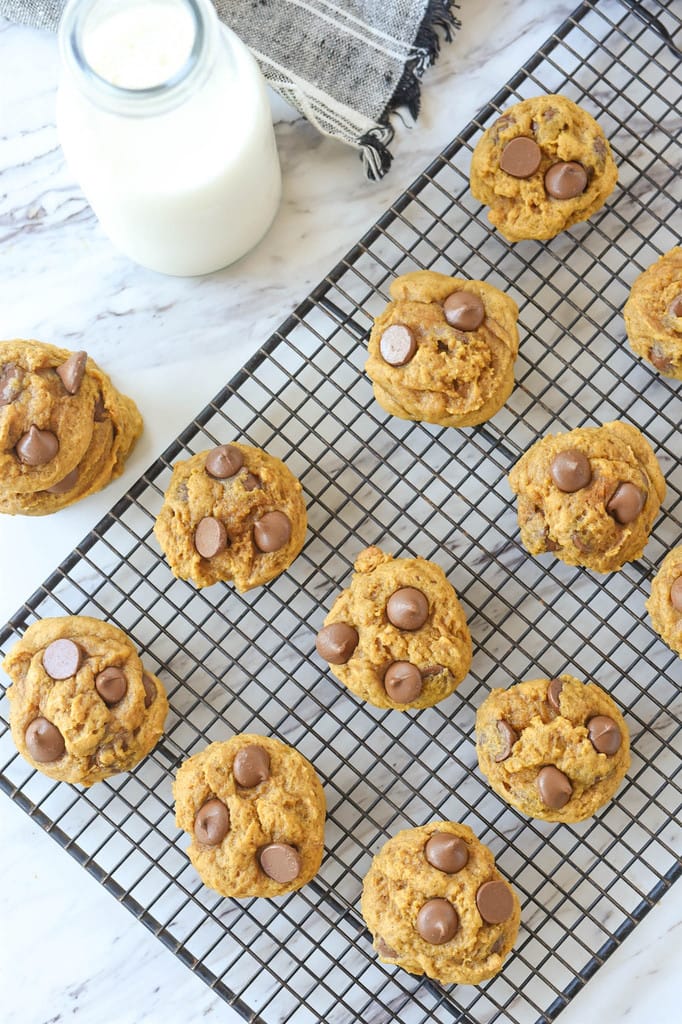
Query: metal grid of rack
{"points": [[235, 663]]}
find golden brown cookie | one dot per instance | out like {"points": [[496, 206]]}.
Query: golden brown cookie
{"points": [[541, 167], [397, 637], [443, 350], [65, 431], [233, 513], [254, 809], [82, 705], [436, 904], [589, 496], [653, 314], [665, 603], [553, 748]]}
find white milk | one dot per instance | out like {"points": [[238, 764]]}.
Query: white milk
{"points": [[164, 119], [142, 46]]}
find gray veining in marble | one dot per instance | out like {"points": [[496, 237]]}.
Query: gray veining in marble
{"points": [[167, 342]]}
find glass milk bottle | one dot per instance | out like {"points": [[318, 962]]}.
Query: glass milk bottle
{"points": [[164, 119]]}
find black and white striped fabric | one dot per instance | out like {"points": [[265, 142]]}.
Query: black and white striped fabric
{"points": [[345, 65]]}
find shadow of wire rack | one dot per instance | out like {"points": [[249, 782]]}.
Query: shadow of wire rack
{"points": [[241, 663]]}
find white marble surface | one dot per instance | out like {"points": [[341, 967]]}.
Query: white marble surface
{"points": [[66, 949]]}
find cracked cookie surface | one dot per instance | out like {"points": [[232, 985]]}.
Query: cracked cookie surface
{"points": [[443, 350], [233, 513], [543, 166], [436, 904], [653, 314], [254, 809], [397, 637], [555, 749], [82, 705], [590, 496], [664, 604], [65, 431]]}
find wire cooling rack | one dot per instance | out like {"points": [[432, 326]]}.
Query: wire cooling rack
{"points": [[237, 663]]}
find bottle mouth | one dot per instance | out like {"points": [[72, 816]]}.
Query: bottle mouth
{"points": [[81, 18]]}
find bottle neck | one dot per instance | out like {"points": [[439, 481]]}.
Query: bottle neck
{"points": [[136, 58]]}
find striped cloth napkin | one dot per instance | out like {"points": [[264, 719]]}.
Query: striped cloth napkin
{"points": [[346, 66]]}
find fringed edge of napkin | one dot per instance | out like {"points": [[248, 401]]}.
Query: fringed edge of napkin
{"points": [[439, 21]]}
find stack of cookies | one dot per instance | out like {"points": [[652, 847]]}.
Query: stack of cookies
{"points": [[65, 431]]}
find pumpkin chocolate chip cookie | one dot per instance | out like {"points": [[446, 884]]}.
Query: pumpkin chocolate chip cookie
{"points": [[255, 811], [443, 350], [589, 496], [82, 705], [436, 904], [397, 637], [665, 603], [233, 513], [541, 167], [553, 748], [653, 314], [65, 431]]}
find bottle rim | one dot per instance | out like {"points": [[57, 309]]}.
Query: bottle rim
{"points": [[123, 99]]}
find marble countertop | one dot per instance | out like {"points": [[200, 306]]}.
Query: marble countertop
{"points": [[67, 950]]}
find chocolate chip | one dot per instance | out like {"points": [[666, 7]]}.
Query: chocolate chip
{"points": [[554, 693], [432, 670], [521, 157], [37, 447], [403, 682], [212, 823], [251, 766], [112, 685], [495, 902], [11, 383], [149, 689], [66, 484], [272, 531], [62, 659], [407, 608], [251, 482], [675, 307], [626, 502], [44, 741], [437, 921], [182, 491], [508, 737], [72, 371], [397, 345], [446, 852], [383, 949], [676, 594], [280, 862], [570, 470], [503, 122], [464, 310], [99, 413], [583, 542], [604, 734], [566, 180], [336, 642], [599, 148], [554, 787], [659, 358], [224, 461], [210, 537]]}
